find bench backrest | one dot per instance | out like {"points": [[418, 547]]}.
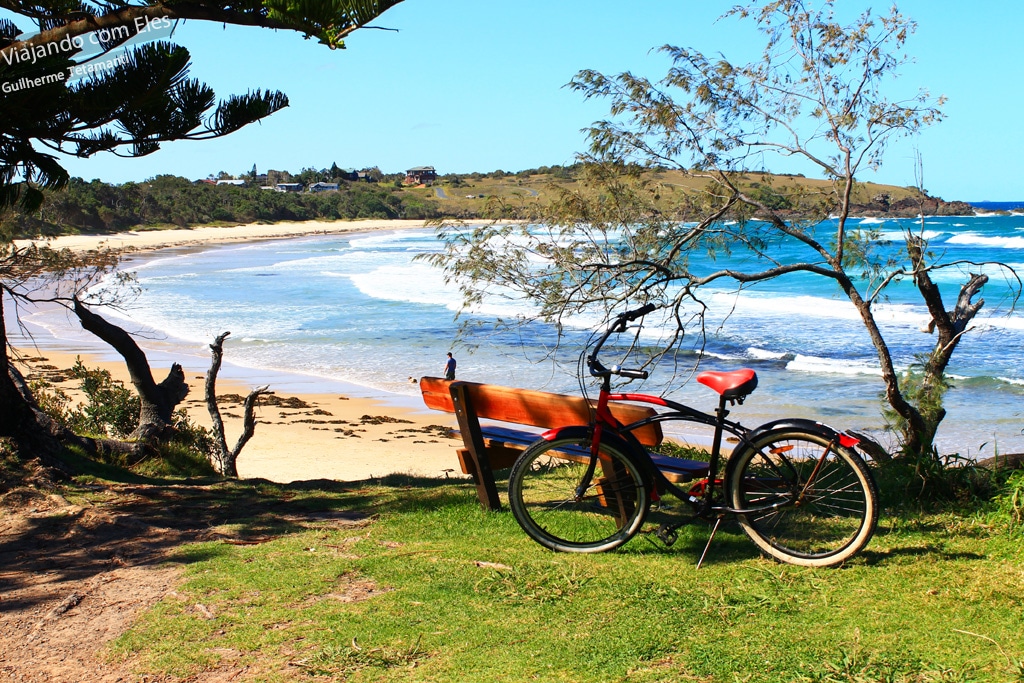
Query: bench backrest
{"points": [[534, 408]]}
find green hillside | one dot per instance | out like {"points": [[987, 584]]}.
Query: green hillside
{"points": [[169, 201]]}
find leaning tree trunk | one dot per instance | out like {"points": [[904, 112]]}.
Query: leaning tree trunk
{"points": [[35, 433], [158, 401], [915, 423], [222, 458], [15, 411], [32, 431]]}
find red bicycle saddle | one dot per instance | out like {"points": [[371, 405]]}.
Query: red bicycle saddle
{"points": [[735, 384]]}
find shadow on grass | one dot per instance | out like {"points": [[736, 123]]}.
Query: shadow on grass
{"points": [[883, 557], [133, 521]]}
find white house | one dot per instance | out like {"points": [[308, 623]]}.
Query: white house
{"points": [[323, 187]]}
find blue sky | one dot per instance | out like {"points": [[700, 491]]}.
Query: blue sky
{"points": [[477, 86]]}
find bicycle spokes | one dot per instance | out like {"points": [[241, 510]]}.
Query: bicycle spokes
{"points": [[808, 500]]}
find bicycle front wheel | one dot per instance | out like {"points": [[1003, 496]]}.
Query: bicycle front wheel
{"points": [[812, 502], [558, 505]]}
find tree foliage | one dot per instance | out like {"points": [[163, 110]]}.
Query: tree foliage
{"points": [[819, 94], [98, 207], [143, 100]]}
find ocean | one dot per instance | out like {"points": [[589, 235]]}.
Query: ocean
{"points": [[356, 312]]}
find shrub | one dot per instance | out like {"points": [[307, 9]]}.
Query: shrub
{"points": [[111, 410], [935, 480], [1009, 504], [52, 400]]}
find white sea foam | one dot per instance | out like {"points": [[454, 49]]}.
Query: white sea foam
{"points": [[974, 239], [1012, 380], [762, 354], [721, 356], [391, 238], [790, 308], [816, 365], [899, 236], [415, 283], [1005, 322]]}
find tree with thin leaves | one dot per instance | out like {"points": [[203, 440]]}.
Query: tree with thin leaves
{"points": [[820, 94]]}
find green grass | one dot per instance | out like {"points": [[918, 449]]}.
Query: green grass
{"points": [[435, 589]]}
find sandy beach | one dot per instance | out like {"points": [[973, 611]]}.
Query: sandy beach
{"points": [[299, 436], [181, 237]]}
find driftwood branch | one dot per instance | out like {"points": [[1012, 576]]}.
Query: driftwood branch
{"points": [[223, 459]]}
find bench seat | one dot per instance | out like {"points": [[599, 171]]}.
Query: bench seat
{"points": [[515, 441]]}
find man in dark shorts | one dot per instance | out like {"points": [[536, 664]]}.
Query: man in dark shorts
{"points": [[449, 367]]}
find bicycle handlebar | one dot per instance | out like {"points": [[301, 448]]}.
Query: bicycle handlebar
{"points": [[629, 316], [597, 369], [632, 374]]}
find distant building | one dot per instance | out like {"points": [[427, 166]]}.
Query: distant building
{"points": [[288, 187], [232, 181], [420, 175], [323, 187]]}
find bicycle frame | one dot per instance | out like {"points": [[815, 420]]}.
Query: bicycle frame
{"points": [[703, 505], [679, 412]]}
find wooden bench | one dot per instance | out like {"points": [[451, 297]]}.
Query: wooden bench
{"points": [[487, 448]]}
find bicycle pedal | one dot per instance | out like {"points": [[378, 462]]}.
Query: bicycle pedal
{"points": [[667, 535]]}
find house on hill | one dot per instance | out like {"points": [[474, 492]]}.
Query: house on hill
{"points": [[323, 187], [288, 187], [420, 175]]}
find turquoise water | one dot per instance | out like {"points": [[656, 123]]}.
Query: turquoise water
{"points": [[359, 309]]}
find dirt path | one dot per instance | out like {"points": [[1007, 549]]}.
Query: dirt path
{"points": [[75, 576]]}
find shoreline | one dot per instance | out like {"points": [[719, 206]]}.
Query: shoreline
{"points": [[152, 239], [147, 240], [299, 436], [366, 433]]}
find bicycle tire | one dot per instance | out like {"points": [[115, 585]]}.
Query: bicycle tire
{"points": [[824, 523], [542, 494]]}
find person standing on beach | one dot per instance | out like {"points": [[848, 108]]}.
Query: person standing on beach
{"points": [[449, 367]]}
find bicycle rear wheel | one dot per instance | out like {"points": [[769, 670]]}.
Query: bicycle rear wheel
{"points": [[556, 508], [825, 500]]}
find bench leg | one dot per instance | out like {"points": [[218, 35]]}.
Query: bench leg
{"points": [[612, 491], [486, 488], [469, 425]]}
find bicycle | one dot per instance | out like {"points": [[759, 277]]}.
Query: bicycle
{"points": [[797, 487]]}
